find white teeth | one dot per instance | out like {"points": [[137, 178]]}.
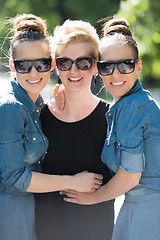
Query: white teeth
{"points": [[74, 79], [34, 81], [117, 84]]}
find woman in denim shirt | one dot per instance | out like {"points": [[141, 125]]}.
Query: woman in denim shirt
{"points": [[132, 142], [22, 143]]}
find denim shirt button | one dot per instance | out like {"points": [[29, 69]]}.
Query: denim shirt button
{"points": [[109, 114], [35, 121], [37, 110], [39, 162], [34, 139], [118, 145]]}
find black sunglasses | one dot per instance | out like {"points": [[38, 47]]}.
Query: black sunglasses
{"points": [[25, 66], [124, 66], [82, 63]]}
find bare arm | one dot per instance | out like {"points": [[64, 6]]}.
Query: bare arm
{"points": [[121, 183], [82, 182]]}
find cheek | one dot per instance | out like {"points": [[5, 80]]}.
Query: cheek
{"points": [[62, 74], [19, 77], [106, 81]]}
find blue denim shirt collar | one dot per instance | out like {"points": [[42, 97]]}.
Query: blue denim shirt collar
{"points": [[21, 94], [136, 88]]}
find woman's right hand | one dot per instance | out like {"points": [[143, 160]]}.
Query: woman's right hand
{"points": [[58, 93], [87, 182]]}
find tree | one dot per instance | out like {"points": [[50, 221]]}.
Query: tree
{"points": [[144, 17]]}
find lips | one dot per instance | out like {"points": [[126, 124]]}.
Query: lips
{"points": [[74, 79], [117, 83], [33, 82]]}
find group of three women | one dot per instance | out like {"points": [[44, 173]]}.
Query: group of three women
{"points": [[76, 137]]}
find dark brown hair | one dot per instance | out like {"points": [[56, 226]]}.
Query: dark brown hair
{"points": [[120, 31], [27, 27]]}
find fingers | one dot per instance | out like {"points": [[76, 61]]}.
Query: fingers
{"points": [[56, 89], [66, 192], [59, 96], [71, 200], [99, 176], [69, 194], [98, 181]]}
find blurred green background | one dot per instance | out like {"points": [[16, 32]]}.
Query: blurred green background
{"points": [[143, 16]]}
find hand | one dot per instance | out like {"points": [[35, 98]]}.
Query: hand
{"points": [[86, 182], [58, 93], [79, 197]]}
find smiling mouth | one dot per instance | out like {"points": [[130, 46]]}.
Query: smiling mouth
{"points": [[74, 79], [117, 83], [33, 82]]}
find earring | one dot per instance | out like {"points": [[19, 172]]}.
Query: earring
{"points": [[95, 79], [59, 80]]}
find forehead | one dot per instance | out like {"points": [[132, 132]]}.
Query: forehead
{"points": [[32, 50], [74, 50], [116, 51]]}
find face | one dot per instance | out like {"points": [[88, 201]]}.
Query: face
{"points": [[76, 79], [119, 84], [34, 81]]}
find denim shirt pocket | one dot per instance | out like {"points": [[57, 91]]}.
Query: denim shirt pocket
{"points": [[34, 147]]}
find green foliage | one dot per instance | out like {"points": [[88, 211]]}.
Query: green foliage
{"points": [[143, 15], [144, 18], [57, 11]]}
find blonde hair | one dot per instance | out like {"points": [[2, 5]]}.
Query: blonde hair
{"points": [[75, 31]]}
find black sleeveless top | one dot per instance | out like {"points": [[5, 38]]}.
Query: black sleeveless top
{"points": [[75, 146]]}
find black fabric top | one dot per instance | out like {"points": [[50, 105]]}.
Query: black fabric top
{"points": [[75, 146]]}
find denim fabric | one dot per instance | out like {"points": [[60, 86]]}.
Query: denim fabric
{"points": [[139, 218], [133, 138], [22, 143]]}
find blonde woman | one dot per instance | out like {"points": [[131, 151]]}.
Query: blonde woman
{"points": [[76, 135]]}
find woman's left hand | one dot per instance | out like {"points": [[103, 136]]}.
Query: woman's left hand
{"points": [[87, 198]]}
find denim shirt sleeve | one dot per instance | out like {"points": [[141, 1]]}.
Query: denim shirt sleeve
{"points": [[131, 122], [14, 173]]}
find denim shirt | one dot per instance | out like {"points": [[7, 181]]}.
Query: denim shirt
{"points": [[22, 143], [133, 139]]}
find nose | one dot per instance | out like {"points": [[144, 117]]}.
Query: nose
{"points": [[74, 68], [115, 71], [33, 71]]}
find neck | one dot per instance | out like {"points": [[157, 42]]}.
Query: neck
{"points": [[33, 97], [78, 105]]}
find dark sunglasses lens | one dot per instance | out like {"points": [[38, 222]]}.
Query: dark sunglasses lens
{"points": [[63, 64], [22, 66], [105, 69], [84, 63], [43, 65], [126, 67], [25, 66]]}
